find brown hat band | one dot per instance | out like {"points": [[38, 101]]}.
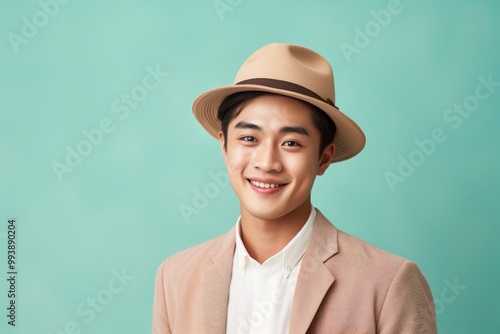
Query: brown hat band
{"points": [[285, 85]]}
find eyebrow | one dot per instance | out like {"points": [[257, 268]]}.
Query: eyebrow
{"points": [[286, 129], [247, 125], [294, 129]]}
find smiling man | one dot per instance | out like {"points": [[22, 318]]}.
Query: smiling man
{"points": [[284, 268]]}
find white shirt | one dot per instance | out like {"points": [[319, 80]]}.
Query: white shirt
{"points": [[261, 295]]}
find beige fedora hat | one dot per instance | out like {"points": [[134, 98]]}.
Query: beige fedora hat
{"points": [[288, 70]]}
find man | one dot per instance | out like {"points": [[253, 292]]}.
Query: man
{"points": [[284, 268]]}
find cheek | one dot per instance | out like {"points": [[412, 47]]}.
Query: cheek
{"points": [[236, 160], [305, 171]]}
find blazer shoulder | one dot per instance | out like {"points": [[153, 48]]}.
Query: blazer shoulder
{"points": [[357, 259], [346, 252], [361, 250], [197, 257]]}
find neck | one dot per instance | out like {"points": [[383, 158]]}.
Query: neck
{"points": [[264, 238]]}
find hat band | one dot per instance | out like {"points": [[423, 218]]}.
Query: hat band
{"points": [[285, 85]]}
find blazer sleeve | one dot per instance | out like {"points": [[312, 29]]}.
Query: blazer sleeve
{"points": [[161, 323], [408, 307]]}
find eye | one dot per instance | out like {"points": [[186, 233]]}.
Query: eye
{"points": [[291, 143], [249, 139]]}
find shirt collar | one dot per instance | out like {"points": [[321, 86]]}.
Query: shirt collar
{"points": [[290, 254]]}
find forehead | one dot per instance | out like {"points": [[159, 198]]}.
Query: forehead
{"points": [[276, 110]]}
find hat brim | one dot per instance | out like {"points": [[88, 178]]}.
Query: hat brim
{"points": [[349, 140]]}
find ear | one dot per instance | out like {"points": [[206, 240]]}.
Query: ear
{"points": [[222, 142], [326, 158]]}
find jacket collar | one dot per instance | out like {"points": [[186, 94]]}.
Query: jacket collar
{"points": [[215, 285], [315, 278], [313, 273]]}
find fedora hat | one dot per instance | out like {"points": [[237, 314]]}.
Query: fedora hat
{"points": [[288, 70]]}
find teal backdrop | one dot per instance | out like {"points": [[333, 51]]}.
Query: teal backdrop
{"points": [[107, 173]]}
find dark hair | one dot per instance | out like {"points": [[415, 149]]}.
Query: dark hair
{"points": [[232, 105]]}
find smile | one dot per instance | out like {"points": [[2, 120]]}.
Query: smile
{"points": [[265, 185]]}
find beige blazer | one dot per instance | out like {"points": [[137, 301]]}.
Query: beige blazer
{"points": [[345, 285]]}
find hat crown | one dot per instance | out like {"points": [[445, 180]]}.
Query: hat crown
{"points": [[290, 63]]}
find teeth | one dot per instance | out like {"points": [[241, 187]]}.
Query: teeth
{"points": [[265, 185]]}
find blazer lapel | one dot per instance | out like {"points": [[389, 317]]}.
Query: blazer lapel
{"points": [[314, 277], [215, 284]]}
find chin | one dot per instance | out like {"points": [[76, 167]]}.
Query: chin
{"points": [[267, 215], [267, 212]]}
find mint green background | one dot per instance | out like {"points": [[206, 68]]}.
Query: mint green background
{"points": [[120, 207]]}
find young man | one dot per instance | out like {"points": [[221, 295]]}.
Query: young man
{"points": [[284, 268]]}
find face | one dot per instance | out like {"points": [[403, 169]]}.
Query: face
{"points": [[272, 157]]}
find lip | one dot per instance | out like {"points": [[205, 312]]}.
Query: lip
{"points": [[267, 191]]}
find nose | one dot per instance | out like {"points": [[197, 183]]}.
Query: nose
{"points": [[267, 158]]}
